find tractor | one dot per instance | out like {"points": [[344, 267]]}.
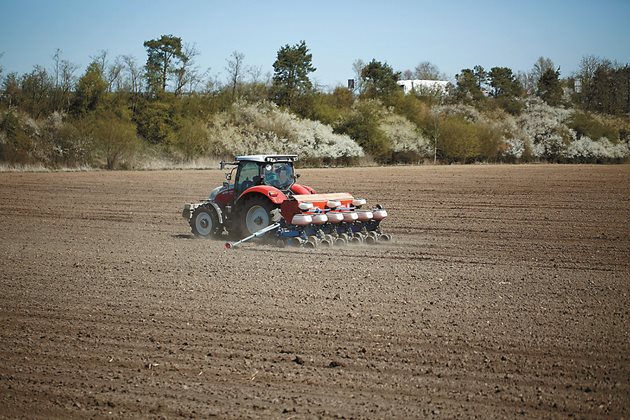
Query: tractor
{"points": [[261, 199]]}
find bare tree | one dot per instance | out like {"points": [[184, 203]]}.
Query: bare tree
{"points": [[357, 66], [67, 77], [407, 75], [132, 74], [234, 68], [101, 60], [114, 75], [527, 80], [211, 82], [56, 59], [255, 74], [63, 81], [67, 80], [588, 66], [132, 81], [187, 75], [542, 65], [428, 71], [195, 79]]}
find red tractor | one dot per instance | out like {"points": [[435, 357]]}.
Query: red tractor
{"points": [[265, 197]]}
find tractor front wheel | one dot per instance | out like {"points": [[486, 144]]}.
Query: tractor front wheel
{"points": [[255, 214], [204, 222]]}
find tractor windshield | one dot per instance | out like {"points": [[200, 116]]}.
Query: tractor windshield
{"points": [[279, 175]]}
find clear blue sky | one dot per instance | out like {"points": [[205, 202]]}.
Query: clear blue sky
{"points": [[452, 34]]}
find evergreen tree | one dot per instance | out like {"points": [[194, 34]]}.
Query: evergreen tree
{"points": [[468, 87], [166, 59], [549, 88], [504, 83], [291, 69], [506, 88], [379, 80], [608, 90]]}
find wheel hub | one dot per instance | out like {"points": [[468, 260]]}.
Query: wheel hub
{"points": [[203, 224], [257, 218]]}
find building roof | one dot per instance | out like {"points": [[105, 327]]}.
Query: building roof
{"points": [[437, 86]]}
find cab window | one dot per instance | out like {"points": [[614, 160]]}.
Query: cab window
{"points": [[248, 176]]}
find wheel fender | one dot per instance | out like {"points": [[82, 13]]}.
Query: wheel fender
{"points": [[300, 189], [273, 194], [189, 209], [218, 211]]}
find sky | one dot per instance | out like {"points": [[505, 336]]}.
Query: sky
{"points": [[451, 34]]}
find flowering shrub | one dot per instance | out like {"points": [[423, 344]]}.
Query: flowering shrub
{"points": [[404, 136], [515, 148], [586, 150], [551, 148], [401, 134], [540, 132], [265, 128], [544, 129], [467, 112], [547, 131]]}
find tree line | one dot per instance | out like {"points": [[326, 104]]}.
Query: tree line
{"points": [[118, 109]]}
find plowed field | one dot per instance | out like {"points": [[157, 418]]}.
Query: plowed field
{"points": [[505, 292]]}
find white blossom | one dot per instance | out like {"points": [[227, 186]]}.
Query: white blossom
{"points": [[515, 148], [469, 113], [403, 135], [543, 127], [588, 150], [265, 128]]}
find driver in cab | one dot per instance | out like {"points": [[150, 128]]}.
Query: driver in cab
{"points": [[284, 180], [280, 176]]}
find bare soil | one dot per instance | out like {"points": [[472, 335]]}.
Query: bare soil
{"points": [[505, 292]]}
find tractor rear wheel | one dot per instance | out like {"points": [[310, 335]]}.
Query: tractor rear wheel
{"points": [[204, 222], [255, 214]]}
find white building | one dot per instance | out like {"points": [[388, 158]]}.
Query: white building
{"points": [[438, 87]]}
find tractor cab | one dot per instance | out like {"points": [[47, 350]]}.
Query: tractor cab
{"points": [[270, 175], [270, 170]]}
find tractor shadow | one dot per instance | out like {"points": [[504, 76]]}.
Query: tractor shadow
{"points": [[190, 236], [184, 236]]}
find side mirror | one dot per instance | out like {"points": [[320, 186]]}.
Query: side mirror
{"points": [[228, 176]]}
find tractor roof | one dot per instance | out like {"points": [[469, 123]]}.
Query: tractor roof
{"points": [[267, 158]]}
